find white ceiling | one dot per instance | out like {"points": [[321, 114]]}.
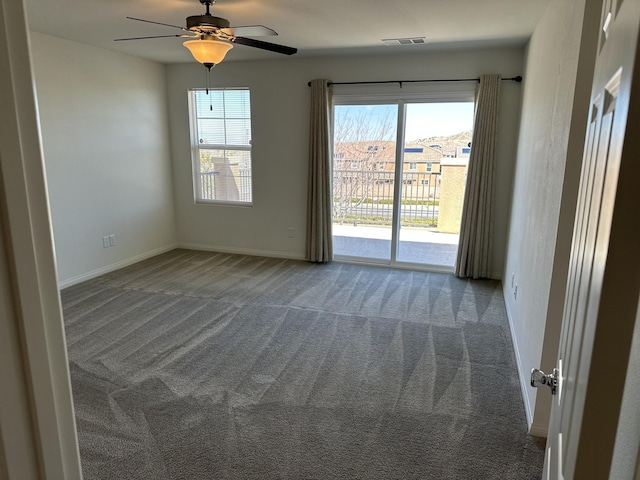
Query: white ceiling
{"points": [[313, 26]]}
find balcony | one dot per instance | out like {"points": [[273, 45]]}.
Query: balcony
{"points": [[430, 211], [234, 185], [363, 212], [416, 246]]}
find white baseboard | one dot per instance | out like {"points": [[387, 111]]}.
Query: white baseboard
{"points": [[115, 266], [523, 374], [242, 251]]}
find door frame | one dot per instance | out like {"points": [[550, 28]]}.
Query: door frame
{"points": [[375, 95], [612, 305], [37, 438]]}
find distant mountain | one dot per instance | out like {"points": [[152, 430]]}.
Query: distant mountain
{"points": [[447, 143]]}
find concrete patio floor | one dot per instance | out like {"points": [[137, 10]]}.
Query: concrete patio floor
{"points": [[416, 246]]}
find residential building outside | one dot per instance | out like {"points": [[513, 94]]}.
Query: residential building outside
{"points": [[364, 178]]}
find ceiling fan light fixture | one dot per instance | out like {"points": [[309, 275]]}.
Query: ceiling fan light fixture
{"points": [[208, 50]]}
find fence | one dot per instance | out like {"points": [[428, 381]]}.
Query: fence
{"points": [[217, 186], [208, 185], [366, 196]]}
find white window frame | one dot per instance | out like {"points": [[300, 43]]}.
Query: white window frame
{"points": [[196, 147]]}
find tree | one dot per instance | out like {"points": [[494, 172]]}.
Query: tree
{"points": [[364, 155]]}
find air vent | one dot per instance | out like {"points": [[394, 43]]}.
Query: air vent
{"points": [[405, 41]]}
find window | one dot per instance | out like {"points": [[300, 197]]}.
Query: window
{"points": [[413, 165], [425, 182], [429, 166], [221, 145]]}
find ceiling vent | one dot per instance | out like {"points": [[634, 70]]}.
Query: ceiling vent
{"points": [[404, 41]]}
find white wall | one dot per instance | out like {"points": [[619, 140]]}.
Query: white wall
{"points": [[280, 98], [552, 130], [105, 137]]}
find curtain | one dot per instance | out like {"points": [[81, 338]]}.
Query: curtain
{"points": [[319, 217], [474, 249]]}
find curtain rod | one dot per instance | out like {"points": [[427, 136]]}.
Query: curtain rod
{"points": [[517, 78]]}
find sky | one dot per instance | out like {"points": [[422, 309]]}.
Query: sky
{"points": [[423, 119], [437, 119]]}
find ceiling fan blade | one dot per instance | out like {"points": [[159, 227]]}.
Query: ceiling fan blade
{"points": [[272, 47], [155, 36], [250, 31], [157, 23]]}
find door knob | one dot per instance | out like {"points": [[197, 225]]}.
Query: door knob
{"points": [[538, 377]]}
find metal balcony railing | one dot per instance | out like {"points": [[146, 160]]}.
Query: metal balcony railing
{"points": [[366, 196], [208, 185], [217, 186]]}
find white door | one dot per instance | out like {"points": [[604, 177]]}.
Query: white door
{"points": [[604, 271]]}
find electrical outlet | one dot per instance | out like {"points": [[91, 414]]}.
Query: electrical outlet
{"points": [[105, 242], [291, 232], [112, 240], [515, 292]]}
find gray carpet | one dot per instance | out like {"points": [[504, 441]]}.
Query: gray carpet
{"points": [[195, 365]]}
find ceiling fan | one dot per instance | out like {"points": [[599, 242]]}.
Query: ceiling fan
{"points": [[212, 37]]}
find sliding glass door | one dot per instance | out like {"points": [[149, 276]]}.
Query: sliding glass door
{"points": [[398, 179], [364, 169]]}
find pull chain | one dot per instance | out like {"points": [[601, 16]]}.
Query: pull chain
{"points": [[209, 66]]}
